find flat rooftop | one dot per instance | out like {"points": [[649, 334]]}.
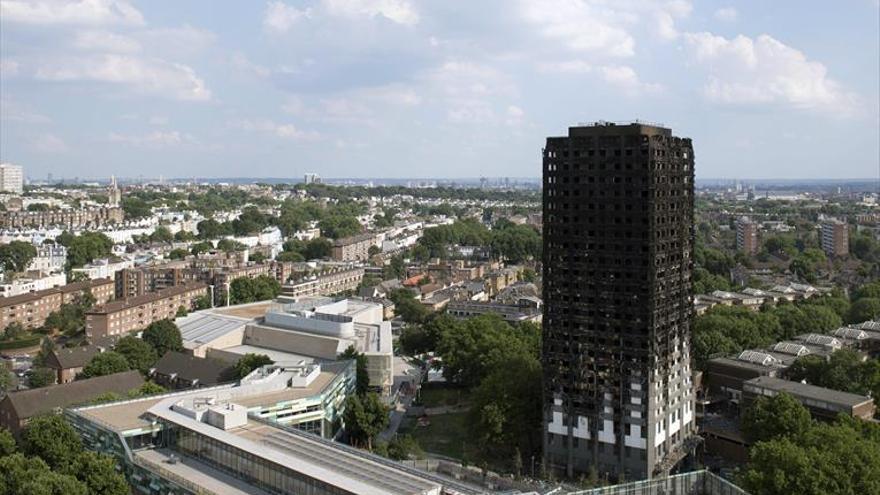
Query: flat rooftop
{"points": [[188, 471], [803, 390], [367, 476], [122, 416], [293, 393], [282, 357]]}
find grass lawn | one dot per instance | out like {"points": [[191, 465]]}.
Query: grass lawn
{"points": [[437, 396], [446, 435]]}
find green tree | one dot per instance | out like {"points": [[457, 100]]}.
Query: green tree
{"points": [[147, 389], [472, 349], [339, 226], [14, 331], [178, 254], [164, 336], [362, 375], [247, 290], [52, 439], [230, 245], [41, 377], [211, 229], [843, 457], [139, 354], [7, 443], [365, 417], [162, 234], [17, 255], [203, 302], [98, 473], [864, 309], [407, 307], [87, 247], [871, 290], [403, 447], [135, 208], [104, 363], [22, 475], [290, 256], [249, 362], [771, 417], [505, 416], [5, 380], [201, 247], [844, 370]]}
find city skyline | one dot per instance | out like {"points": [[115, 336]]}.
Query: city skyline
{"points": [[261, 90]]}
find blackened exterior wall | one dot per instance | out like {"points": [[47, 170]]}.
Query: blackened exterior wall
{"points": [[618, 248]]}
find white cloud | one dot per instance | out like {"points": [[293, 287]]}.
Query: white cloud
{"points": [[240, 61], [764, 70], [156, 139], [8, 67], [105, 41], [580, 25], [621, 76], [284, 131], [155, 76], [158, 120], [515, 116], [392, 94], [185, 40], [727, 14], [625, 77], [85, 12], [11, 110], [399, 11], [49, 143], [567, 67], [280, 17], [469, 90]]}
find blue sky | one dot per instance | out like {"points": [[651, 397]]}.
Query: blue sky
{"points": [[442, 88]]}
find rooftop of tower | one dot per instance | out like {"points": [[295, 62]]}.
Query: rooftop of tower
{"points": [[624, 127]]}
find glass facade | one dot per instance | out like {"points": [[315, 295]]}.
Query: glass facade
{"points": [[254, 470]]}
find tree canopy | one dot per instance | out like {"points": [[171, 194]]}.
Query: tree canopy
{"points": [[365, 417], [164, 336], [86, 248], [782, 415], [17, 255], [249, 362], [247, 290], [104, 363], [363, 377]]}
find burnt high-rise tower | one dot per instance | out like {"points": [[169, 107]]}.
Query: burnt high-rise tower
{"points": [[618, 250]]}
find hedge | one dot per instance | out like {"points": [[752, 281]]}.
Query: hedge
{"points": [[21, 343]]}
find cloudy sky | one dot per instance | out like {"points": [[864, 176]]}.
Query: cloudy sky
{"points": [[432, 88]]}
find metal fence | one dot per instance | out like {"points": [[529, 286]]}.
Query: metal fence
{"points": [[692, 483]]}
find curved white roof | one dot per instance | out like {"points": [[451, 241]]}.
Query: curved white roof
{"points": [[791, 348], [761, 358]]}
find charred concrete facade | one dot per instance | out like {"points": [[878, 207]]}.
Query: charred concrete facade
{"points": [[618, 246]]}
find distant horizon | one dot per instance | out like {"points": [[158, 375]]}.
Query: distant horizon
{"points": [[490, 179]]}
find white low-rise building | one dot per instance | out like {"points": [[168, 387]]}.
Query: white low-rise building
{"points": [[24, 285]]}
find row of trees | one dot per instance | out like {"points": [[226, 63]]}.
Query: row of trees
{"points": [[51, 460], [515, 243], [335, 220], [793, 454]]}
